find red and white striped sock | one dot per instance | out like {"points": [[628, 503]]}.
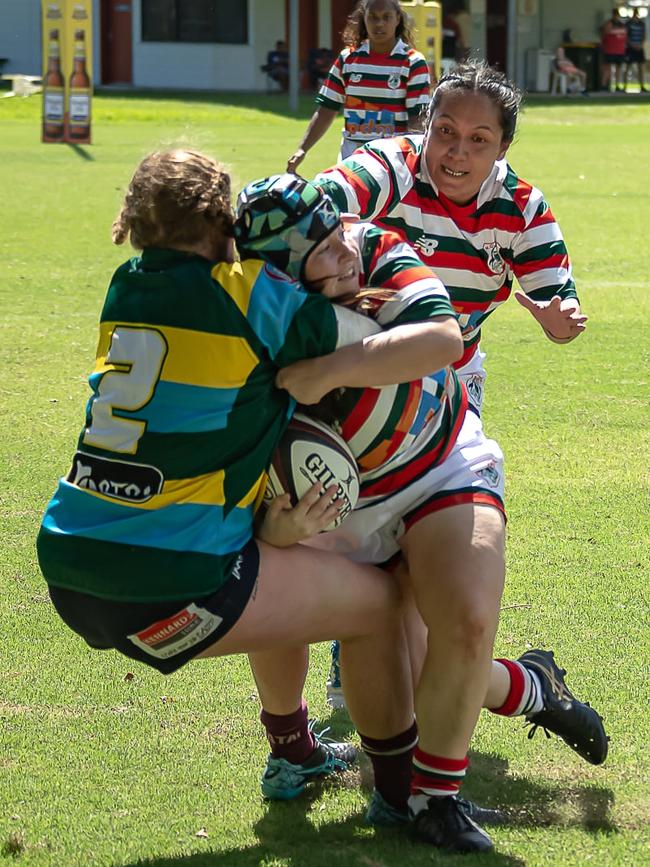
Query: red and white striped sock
{"points": [[434, 777], [525, 694]]}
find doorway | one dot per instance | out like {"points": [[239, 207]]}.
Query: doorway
{"points": [[497, 33], [117, 41]]}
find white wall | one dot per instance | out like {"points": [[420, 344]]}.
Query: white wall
{"points": [[209, 66], [20, 35]]}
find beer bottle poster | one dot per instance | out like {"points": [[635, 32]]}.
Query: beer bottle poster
{"points": [[53, 71], [78, 70], [67, 70]]}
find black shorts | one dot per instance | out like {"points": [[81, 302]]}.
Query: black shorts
{"points": [[164, 635], [614, 58], [635, 55]]}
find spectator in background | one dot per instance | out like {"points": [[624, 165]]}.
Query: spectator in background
{"points": [[576, 77], [318, 65], [614, 47], [277, 64], [636, 34]]}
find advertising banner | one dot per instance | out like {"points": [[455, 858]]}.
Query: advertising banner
{"points": [[67, 65]]}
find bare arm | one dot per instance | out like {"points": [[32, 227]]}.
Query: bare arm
{"points": [[561, 320], [320, 122], [400, 354]]}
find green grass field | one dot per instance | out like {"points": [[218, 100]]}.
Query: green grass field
{"points": [[100, 768]]}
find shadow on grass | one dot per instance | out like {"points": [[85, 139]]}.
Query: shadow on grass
{"points": [[528, 803], [288, 833], [81, 151]]}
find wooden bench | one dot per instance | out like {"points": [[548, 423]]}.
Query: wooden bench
{"points": [[23, 85]]}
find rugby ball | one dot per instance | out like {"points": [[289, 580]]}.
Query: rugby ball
{"points": [[309, 452]]}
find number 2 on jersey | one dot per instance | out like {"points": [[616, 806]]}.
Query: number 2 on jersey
{"points": [[138, 353]]}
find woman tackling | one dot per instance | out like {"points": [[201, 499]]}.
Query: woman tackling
{"points": [[420, 456], [147, 544], [380, 81]]}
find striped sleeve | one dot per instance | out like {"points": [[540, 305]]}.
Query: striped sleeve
{"points": [[540, 259], [419, 83], [392, 265], [371, 181], [332, 92]]}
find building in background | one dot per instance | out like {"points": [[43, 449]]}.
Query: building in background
{"points": [[222, 44]]}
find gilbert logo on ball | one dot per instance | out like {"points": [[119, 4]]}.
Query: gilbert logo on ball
{"points": [[309, 452]]}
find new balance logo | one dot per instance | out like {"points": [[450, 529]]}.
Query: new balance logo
{"points": [[426, 245]]}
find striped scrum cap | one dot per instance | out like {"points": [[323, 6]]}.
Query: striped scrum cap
{"points": [[280, 219]]}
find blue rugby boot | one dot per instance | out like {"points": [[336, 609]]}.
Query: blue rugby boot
{"points": [[283, 780]]}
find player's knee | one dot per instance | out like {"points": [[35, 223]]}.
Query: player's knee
{"points": [[472, 632]]}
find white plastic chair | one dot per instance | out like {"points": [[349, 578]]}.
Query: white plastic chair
{"points": [[559, 82]]}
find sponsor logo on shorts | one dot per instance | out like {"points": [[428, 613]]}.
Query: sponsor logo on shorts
{"points": [[120, 480], [490, 473], [236, 569], [177, 633]]}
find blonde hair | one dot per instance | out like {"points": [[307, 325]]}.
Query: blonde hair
{"points": [[175, 198]]}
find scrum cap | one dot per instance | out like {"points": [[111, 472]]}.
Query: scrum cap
{"points": [[280, 219]]}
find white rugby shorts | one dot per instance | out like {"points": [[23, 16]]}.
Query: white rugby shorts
{"points": [[472, 473]]}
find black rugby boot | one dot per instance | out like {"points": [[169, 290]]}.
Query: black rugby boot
{"points": [[444, 823], [576, 722], [482, 815]]}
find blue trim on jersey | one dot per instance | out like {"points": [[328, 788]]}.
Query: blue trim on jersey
{"points": [[274, 301], [430, 403], [190, 527], [180, 408]]}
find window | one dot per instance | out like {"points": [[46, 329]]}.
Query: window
{"points": [[195, 21]]}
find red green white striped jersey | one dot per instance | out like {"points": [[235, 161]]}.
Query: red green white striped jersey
{"points": [[378, 92], [398, 432], [507, 231]]}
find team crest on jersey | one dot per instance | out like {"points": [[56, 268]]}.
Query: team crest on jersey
{"points": [[356, 77], [494, 259], [426, 245], [394, 80], [490, 473]]}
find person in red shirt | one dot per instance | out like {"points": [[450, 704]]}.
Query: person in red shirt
{"points": [[614, 49]]}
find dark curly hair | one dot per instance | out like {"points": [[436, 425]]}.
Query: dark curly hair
{"points": [[477, 77], [175, 197], [355, 30]]}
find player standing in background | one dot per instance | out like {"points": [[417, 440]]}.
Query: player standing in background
{"points": [[418, 454], [147, 545], [380, 81]]}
